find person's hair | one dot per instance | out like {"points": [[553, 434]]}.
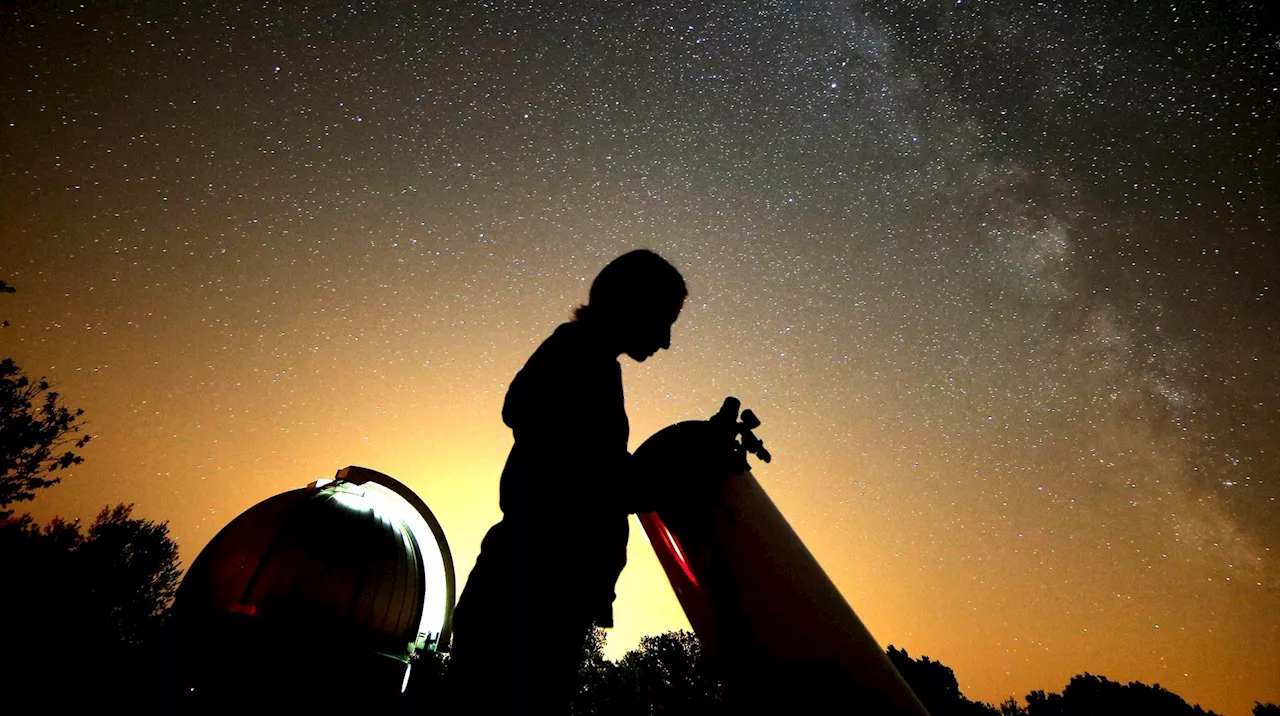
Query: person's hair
{"points": [[635, 280]]}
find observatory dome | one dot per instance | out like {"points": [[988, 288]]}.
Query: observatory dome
{"points": [[339, 574]]}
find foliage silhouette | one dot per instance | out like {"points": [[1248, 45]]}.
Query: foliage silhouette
{"points": [[672, 673], [598, 681], [1261, 709], [34, 429], [936, 686], [1099, 696], [667, 674], [90, 609], [6, 288]]}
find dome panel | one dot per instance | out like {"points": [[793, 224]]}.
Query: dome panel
{"points": [[348, 577], [324, 557]]}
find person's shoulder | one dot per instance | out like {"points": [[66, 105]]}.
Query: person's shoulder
{"points": [[563, 344], [571, 347], [569, 338], [567, 331]]}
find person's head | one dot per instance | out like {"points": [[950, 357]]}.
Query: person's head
{"points": [[635, 300]]}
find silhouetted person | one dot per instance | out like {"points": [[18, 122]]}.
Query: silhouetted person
{"points": [[546, 572]]}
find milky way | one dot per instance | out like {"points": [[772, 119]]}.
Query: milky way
{"points": [[1000, 281]]}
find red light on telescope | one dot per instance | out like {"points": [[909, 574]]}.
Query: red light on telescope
{"points": [[674, 549]]}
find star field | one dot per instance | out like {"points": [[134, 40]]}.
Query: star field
{"points": [[998, 278]]}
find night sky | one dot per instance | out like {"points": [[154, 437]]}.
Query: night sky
{"points": [[999, 280]]}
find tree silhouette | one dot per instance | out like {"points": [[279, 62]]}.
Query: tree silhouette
{"points": [[6, 288], [936, 686], [1099, 696], [34, 429], [670, 674], [87, 608], [130, 573], [666, 674], [600, 688]]}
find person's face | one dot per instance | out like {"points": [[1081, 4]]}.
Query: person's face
{"points": [[651, 332]]}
